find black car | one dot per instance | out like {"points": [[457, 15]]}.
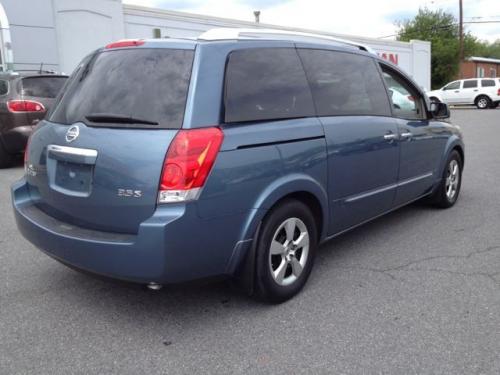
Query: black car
{"points": [[25, 98]]}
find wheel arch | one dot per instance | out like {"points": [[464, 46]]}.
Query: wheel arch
{"points": [[453, 144], [295, 186], [481, 95]]}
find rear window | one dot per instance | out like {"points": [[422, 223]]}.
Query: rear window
{"points": [[345, 84], [41, 87], [487, 82], [146, 84], [266, 84]]}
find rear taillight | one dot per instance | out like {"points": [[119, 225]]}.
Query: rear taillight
{"points": [[16, 106], [125, 43], [498, 92], [189, 160]]}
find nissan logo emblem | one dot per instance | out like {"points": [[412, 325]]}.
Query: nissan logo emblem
{"points": [[72, 133]]}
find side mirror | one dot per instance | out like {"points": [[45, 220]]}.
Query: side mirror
{"points": [[439, 110]]}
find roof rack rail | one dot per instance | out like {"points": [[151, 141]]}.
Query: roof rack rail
{"points": [[248, 33]]}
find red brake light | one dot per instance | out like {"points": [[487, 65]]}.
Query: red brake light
{"points": [[125, 43], [498, 92], [25, 106], [189, 160]]}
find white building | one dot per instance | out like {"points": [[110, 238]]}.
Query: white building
{"points": [[59, 33]]}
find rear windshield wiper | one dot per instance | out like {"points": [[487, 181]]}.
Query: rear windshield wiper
{"points": [[110, 118]]}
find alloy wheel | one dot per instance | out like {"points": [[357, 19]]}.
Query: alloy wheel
{"points": [[452, 179], [289, 251], [482, 103]]}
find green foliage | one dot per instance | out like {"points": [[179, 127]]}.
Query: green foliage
{"points": [[441, 29]]}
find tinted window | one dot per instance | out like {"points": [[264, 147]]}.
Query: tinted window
{"points": [[41, 87], [4, 87], [266, 84], [470, 84], [146, 84], [487, 82], [452, 86], [344, 83], [406, 102]]}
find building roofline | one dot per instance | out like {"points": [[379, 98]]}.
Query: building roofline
{"points": [[138, 10], [484, 59]]}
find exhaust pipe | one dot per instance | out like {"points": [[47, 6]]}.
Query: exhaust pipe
{"points": [[154, 286]]}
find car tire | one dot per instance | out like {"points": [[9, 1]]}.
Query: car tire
{"points": [[446, 194], [483, 102], [6, 159], [286, 249]]}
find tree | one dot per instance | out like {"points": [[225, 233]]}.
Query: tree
{"points": [[441, 29]]}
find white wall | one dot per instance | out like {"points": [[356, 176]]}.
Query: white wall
{"points": [[59, 33], [33, 35], [83, 26], [413, 57]]}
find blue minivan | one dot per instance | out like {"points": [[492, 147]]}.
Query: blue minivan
{"points": [[165, 161]]}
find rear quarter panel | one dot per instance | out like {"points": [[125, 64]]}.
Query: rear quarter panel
{"points": [[262, 163]]}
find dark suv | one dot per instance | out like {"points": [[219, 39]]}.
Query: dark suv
{"points": [[25, 98], [165, 161]]}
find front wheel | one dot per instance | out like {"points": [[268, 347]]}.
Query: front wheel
{"points": [[285, 251], [448, 190]]}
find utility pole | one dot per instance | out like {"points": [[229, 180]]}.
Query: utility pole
{"points": [[461, 36], [257, 16]]}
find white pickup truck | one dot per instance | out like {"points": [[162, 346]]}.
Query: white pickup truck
{"points": [[481, 92]]}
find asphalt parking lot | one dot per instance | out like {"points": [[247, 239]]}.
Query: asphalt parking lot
{"points": [[415, 292]]}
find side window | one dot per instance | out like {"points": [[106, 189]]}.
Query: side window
{"points": [[344, 83], [266, 84], [406, 102], [470, 84], [487, 83], [452, 86], [4, 87]]}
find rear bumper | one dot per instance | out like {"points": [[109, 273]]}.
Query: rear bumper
{"points": [[174, 245], [15, 139]]}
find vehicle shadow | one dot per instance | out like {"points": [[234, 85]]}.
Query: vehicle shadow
{"points": [[182, 301]]}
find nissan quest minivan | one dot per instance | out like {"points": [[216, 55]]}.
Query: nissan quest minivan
{"points": [[166, 161]]}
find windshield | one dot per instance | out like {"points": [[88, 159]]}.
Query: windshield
{"points": [[146, 84]]}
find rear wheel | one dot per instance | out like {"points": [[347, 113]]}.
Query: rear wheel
{"points": [[285, 251], [6, 159], [448, 190], [483, 102]]}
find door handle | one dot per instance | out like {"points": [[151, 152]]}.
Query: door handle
{"points": [[457, 91], [390, 137], [476, 90], [406, 135]]}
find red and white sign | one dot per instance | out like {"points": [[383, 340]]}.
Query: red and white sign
{"points": [[392, 57]]}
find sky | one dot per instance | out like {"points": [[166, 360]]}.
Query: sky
{"points": [[371, 18]]}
